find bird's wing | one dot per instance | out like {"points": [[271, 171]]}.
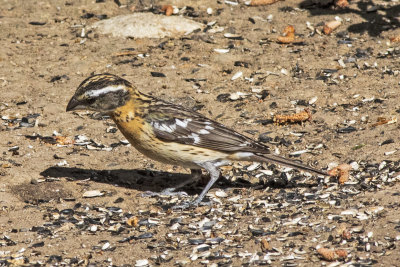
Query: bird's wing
{"points": [[172, 123]]}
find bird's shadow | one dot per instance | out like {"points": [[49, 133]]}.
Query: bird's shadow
{"points": [[154, 181], [374, 22]]}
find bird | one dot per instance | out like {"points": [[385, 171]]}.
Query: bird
{"points": [[172, 134]]}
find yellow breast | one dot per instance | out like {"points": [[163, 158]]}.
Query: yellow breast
{"points": [[141, 135]]}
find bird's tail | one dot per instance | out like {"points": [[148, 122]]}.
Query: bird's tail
{"points": [[272, 158]]}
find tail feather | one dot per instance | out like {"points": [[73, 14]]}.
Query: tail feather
{"points": [[272, 158]]}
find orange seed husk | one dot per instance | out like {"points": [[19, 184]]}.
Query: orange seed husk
{"points": [[132, 221], [395, 39], [342, 171], [331, 254], [331, 26], [342, 3], [265, 246], [167, 9], [303, 116]]}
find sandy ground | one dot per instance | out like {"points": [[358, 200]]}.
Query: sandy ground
{"points": [[46, 220]]}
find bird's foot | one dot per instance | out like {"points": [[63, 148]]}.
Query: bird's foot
{"points": [[170, 192], [165, 192], [184, 205]]}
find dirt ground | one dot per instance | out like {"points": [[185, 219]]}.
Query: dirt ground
{"points": [[349, 80]]}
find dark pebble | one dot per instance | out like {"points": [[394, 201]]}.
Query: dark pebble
{"points": [[386, 142], [127, 239], [67, 212], [257, 232], [345, 41], [87, 16], [145, 235], [273, 105], [264, 138], [302, 102], [114, 209], [264, 94], [264, 122], [241, 64], [223, 98], [54, 258], [175, 220], [196, 241], [346, 129], [38, 245], [37, 23], [58, 77], [215, 240], [295, 234], [119, 200], [203, 248], [157, 74]]}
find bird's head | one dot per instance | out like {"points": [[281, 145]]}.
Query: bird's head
{"points": [[101, 92]]}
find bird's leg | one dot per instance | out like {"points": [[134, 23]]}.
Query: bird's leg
{"points": [[214, 174], [195, 175]]}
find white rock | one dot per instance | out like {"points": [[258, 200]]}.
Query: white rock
{"points": [[313, 100], [221, 193], [354, 165], [237, 75], [141, 263], [93, 193], [146, 25], [221, 50], [105, 246]]}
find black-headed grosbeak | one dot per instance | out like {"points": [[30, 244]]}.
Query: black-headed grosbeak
{"points": [[170, 133]]}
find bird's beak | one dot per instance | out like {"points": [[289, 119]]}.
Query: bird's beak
{"points": [[74, 104]]}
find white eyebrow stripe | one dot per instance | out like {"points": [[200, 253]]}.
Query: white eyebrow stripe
{"points": [[105, 90]]}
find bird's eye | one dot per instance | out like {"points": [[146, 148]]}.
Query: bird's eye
{"points": [[90, 101]]}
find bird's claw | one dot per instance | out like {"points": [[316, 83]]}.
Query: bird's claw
{"points": [[170, 192], [184, 205], [165, 192]]}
